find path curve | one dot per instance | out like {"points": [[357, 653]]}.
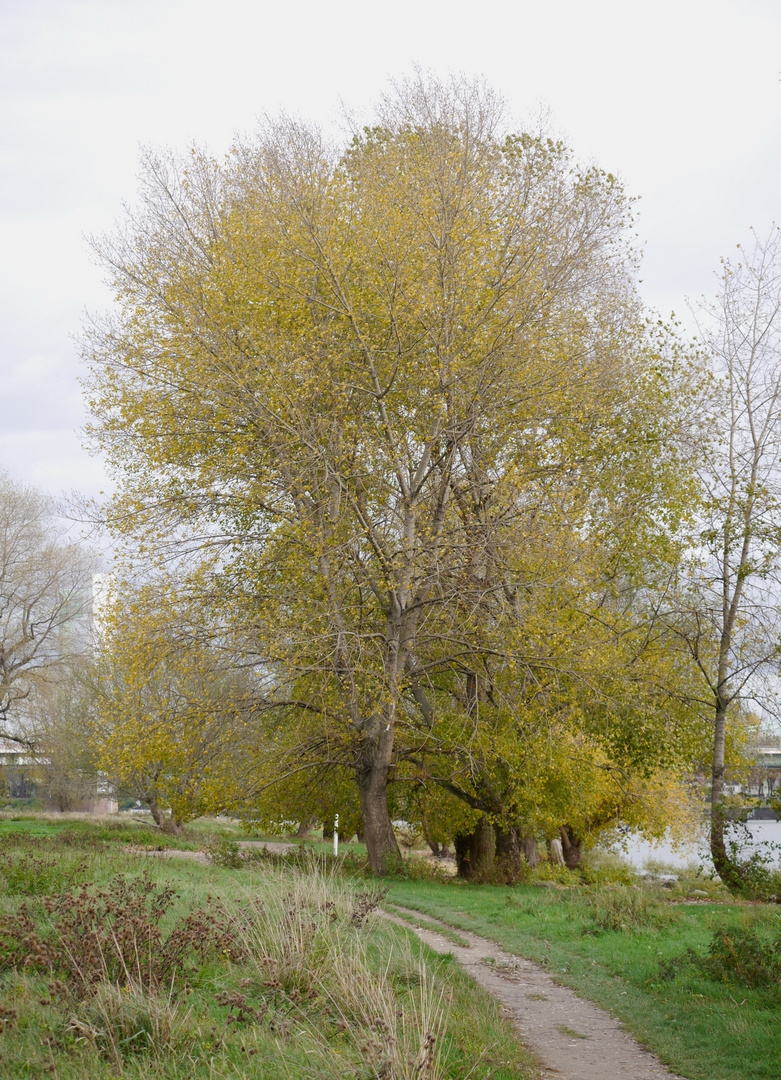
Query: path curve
{"points": [[572, 1038]]}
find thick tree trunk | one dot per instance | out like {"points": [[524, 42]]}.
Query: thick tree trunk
{"points": [[556, 852], [372, 776], [571, 847], [513, 848], [475, 852], [304, 828], [166, 823], [531, 852]]}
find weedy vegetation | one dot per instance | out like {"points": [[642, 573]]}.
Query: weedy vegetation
{"points": [[136, 967]]}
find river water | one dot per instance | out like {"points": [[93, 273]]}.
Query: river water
{"points": [[640, 852]]}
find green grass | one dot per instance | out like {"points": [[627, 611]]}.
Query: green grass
{"points": [[136, 830], [121, 831], [611, 944], [310, 983], [326, 1006]]}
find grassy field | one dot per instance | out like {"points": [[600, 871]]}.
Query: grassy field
{"points": [[117, 965], [122, 830], [250, 967], [698, 982]]}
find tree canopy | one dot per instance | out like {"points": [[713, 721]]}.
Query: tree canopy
{"points": [[167, 709], [402, 394]]}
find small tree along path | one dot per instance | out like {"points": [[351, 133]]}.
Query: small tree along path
{"points": [[573, 1039]]}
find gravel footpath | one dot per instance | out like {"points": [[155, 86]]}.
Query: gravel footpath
{"points": [[572, 1039]]}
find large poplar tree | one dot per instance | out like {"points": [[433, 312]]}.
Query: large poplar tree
{"points": [[394, 385]]}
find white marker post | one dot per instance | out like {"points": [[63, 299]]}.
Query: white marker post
{"points": [[336, 835]]}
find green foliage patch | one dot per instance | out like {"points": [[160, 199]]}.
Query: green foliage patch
{"points": [[28, 866], [628, 908]]}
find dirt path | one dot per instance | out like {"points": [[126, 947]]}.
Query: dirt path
{"points": [[573, 1039]]}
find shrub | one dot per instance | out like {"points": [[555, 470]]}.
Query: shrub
{"points": [[130, 1021], [415, 869], [548, 871], [224, 851], [696, 879], [115, 935], [756, 876], [607, 872], [626, 909], [28, 866], [749, 955]]}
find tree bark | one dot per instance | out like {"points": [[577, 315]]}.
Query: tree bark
{"points": [[475, 852], [372, 775], [571, 847], [304, 828], [513, 847], [556, 851], [165, 822], [531, 851], [728, 870]]}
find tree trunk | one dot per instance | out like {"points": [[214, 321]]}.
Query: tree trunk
{"points": [[512, 849], [165, 822], [728, 870], [304, 828], [372, 775], [475, 852], [570, 845], [556, 852], [531, 852], [438, 848]]}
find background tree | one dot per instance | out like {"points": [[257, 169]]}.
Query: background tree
{"points": [[168, 712], [374, 379], [729, 612], [55, 718], [45, 588]]}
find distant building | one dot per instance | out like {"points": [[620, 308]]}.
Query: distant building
{"points": [[765, 775]]}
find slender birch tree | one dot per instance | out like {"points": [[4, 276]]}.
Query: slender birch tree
{"points": [[731, 612]]}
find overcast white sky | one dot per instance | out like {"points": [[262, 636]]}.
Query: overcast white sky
{"points": [[681, 98]]}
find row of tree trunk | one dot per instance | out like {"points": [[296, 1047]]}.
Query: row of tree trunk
{"points": [[494, 853]]}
